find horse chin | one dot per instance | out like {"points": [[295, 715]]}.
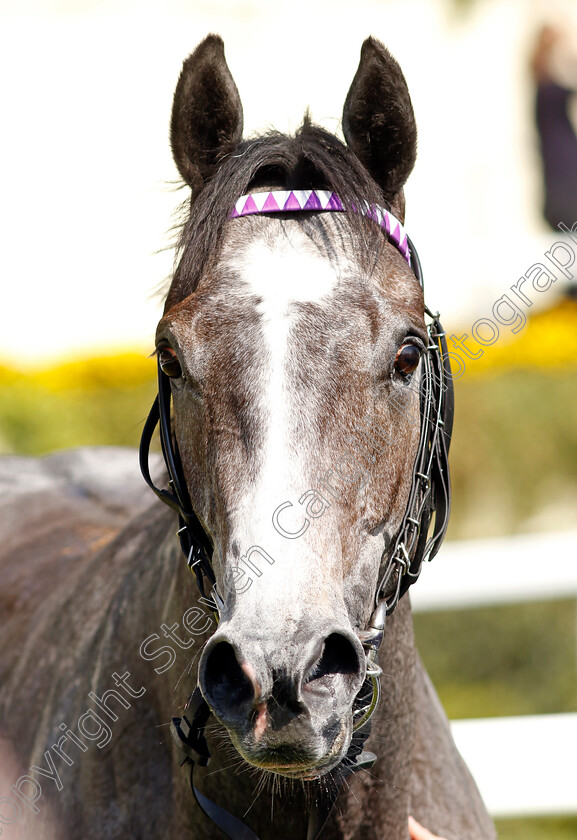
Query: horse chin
{"points": [[306, 774], [274, 758]]}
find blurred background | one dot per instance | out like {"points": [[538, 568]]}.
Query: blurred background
{"points": [[89, 193]]}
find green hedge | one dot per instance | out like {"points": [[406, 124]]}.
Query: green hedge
{"points": [[513, 455]]}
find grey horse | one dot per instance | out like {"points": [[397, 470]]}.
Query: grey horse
{"points": [[283, 333]]}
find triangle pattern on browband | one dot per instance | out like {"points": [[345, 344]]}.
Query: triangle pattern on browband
{"points": [[293, 201]]}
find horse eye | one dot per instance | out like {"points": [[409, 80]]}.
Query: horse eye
{"points": [[169, 362], [407, 359]]}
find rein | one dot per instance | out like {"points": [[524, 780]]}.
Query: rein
{"points": [[430, 496]]}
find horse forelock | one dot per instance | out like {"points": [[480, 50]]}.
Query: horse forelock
{"points": [[311, 159]]}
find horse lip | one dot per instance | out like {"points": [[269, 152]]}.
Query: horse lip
{"points": [[308, 771], [307, 774]]}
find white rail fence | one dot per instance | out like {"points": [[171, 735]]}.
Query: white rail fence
{"points": [[526, 765]]}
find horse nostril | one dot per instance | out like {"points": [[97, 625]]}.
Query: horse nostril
{"points": [[225, 683], [339, 658]]}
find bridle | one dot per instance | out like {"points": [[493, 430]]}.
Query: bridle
{"points": [[419, 538]]}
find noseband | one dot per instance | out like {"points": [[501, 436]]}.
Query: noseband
{"points": [[419, 538]]}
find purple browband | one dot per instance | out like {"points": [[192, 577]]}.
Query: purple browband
{"points": [[284, 201]]}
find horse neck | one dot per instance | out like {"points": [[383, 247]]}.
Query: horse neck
{"points": [[160, 601], [376, 802]]}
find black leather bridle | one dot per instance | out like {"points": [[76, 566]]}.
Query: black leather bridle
{"points": [[194, 540], [419, 538]]}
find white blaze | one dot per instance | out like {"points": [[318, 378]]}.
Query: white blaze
{"points": [[280, 274]]}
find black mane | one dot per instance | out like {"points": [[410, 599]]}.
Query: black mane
{"points": [[311, 159]]}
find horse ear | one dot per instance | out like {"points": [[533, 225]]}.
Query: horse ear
{"points": [[207, 119], [378, 120]]}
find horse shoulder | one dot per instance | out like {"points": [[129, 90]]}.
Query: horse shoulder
{"points": [[444, 796], [83, 580]]}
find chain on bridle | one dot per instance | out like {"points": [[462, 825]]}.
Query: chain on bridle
{"points": [[418, 539], [430, 493]]}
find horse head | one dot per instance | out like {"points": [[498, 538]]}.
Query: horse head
{"points": [[294, 348]]}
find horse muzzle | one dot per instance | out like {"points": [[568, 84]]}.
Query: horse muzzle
{"points": [[287, 706]]}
